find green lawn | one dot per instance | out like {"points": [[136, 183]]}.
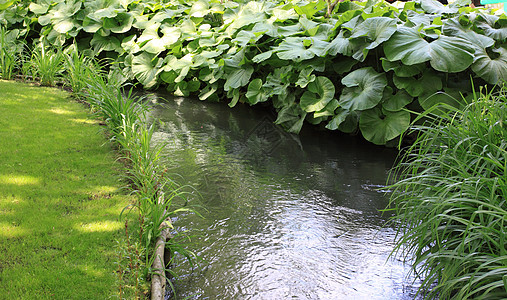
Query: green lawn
{"points": [[59, 198]]}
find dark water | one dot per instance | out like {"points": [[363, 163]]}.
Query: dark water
{"points": [[286, 217]]}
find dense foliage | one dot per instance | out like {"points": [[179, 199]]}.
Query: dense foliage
{"points": [[363, 68], [450, 199]]}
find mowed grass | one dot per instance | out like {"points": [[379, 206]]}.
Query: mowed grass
{"points": [[60, 198]]}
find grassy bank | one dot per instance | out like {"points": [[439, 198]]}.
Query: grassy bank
{"points": [[59, 198]]}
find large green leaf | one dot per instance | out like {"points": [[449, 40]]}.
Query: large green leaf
{"points": [[262, 56], [310, 9], [4, 4], [375, 31], [168, 76], [338, 119], [343, 64], [236, 59], [38, 8], [328, 110], [105, 43], [429, 82], [296, 48], [146, 68], [448, 97], [91, 25], [238, 78], [208, 91], [379, 126], [369, 34], [435, 7], [129, 44], [364, 88], [415, 19], [305, 77], [61, 16], [453, 27], [310, 27], [184, 88], [106, 12], [493, 26], [278, 80], [245, 37], [446, 54], [341, 44], [291, 117], [402, 70], [250, 13], [256, 93], [151, 42], [344, 120], [283, 13], [120, 23], [320, 92], [199, 9], [396, 102], [491, 66]]}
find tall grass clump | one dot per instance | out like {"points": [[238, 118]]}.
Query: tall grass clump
{"points": [[46, 64], [450, 199], [80, 70]]}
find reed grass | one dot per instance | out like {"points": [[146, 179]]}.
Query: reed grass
{"points": [[450, 199], [124, 113], [79, 70]]}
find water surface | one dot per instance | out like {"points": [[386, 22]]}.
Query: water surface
{"points": [[286, 216]]}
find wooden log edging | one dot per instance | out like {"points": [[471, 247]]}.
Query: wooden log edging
{"points": [[158, 278]]}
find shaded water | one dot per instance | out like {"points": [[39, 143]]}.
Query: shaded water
{"points": [[286, 217]]}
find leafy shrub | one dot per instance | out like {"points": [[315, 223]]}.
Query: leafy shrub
{"points": [[362, 69], [451, 202]]}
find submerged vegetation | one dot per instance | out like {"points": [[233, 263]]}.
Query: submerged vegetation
{"points": [[451, 202]]}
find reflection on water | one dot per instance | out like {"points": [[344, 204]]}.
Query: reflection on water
{"points": [[287, 217]]}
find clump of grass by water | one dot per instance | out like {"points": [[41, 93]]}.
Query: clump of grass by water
{"points": [[79, 69], [450, 199], [125, 114]]}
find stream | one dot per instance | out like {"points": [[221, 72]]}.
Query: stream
{"points": [[285, 216]]}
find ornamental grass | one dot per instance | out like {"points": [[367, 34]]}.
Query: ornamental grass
{"points": [[450, 202]]}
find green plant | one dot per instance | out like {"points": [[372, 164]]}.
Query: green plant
{"points": [[125, 114], [304, 57], [80, 69], [10, 49], [47, 65], [450, 200]]}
